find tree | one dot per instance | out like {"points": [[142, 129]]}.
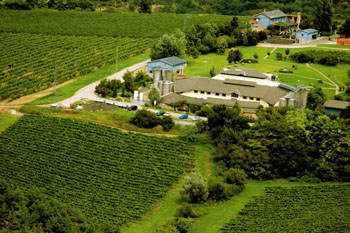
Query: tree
{"points": [[145, 119], [324, 15], [345, 29], [145, 6], [236, 176], [115, 92], [287, 52], [234, 56], [185, 211], [170, 45], [316, 98], [346, 113], [279, 56], [212, 71], [128, 81], [217, 190], [194, 188], [154, 95]]}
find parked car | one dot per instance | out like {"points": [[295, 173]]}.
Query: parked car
{"points": [[160, 113], [166, 114], [184, 116], [196, 118], [132, 108]]}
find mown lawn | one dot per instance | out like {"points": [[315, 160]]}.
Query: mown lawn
{"points": [[69, 90], [6, 120]]}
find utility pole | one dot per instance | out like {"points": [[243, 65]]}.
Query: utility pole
{"points": [[54, 84], [116, 59]]}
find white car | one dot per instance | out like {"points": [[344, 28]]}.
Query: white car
{"points": [[196, 118], [166, 114]]}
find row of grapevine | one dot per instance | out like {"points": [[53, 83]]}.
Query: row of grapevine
{"points": [[110, 175], [316, 208], [28, 62], [102, 24]]}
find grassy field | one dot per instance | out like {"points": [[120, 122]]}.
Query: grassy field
{"points": [[302, 75], [69, 90], [334, 46], [6, 120]]}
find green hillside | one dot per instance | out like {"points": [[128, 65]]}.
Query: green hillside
{"points": [[111, 176]]}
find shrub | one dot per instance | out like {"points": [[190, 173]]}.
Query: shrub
{"points": [[217, 190], [330, 60], [167, 123], [302, 57], [287, 52], [262, 35], [213, 71], [279, 56], [202, 126], [236, 176], [249, 61], [256, 56], [194, 188], [234, 56], [185, 211], [232, 190], [268, 53], [145, 119]]}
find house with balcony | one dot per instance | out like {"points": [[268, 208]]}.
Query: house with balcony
{"points": [[275, 18]]}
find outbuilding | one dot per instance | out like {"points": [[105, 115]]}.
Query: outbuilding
{"points": [[306, 35], [335, 106], [174, 64]]}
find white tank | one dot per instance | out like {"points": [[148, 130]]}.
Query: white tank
{"points": [[157, 74], [291, 103], [283, 102], [141, 96], [136, 93], [168, 75]]}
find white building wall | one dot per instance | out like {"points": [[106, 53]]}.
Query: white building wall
{"points": [[206, 95]]}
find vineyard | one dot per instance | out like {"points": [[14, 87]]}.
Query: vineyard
{"points": [[102, 24], [29, 62], [321, 208], [110, 175]]}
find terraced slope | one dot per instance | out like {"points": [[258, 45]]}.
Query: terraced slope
{"points": [[110, 175], [318, 208]]}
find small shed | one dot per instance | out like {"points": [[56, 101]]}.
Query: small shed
{"points": [[307, 34], [174, 64], [335, 106]]}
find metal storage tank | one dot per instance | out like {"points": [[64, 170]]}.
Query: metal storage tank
{"points": [[157, 75], [291, 103], [167, 87], [283, 102], [168, 75], [160, 85]]}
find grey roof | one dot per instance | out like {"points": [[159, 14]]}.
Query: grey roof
{"points": [[269, 94], [247, 106], [309, 31], [336, 104], [245, 72], [273, 14], [173, 61]]}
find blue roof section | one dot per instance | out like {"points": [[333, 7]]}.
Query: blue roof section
{"points": [[309, 31], [173, 61]]}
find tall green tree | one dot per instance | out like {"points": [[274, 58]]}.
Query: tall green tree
{"points": [[154, 95], [316, 98], [145, 6], [345, 28], [170, 45], [234, 56], [324, 15]]}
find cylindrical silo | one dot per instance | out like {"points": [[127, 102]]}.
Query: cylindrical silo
{"points": [[157, 73], [168, 75], [283, 102]]}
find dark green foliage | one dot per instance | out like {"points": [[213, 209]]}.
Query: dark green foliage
{"points": [[256, 56], [147, 119], [287, 51], [279, 56], [345, 28], [98, 169], [236, 176], [234, 56], [31, 210], [223, 118], [154, 96], [170, 45], [289, 210], [202, 126], [145, 6], [346, 113], [129, 81], [316, 98], [194, 188], [349, 73], [185, 211], [325, 57], [324, 15], [217, 190], [143, 80], [108, 88], [213, 71], [176, 225], [57, 4]]}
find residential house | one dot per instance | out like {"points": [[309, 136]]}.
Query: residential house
{"points": [[306, 35]]}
